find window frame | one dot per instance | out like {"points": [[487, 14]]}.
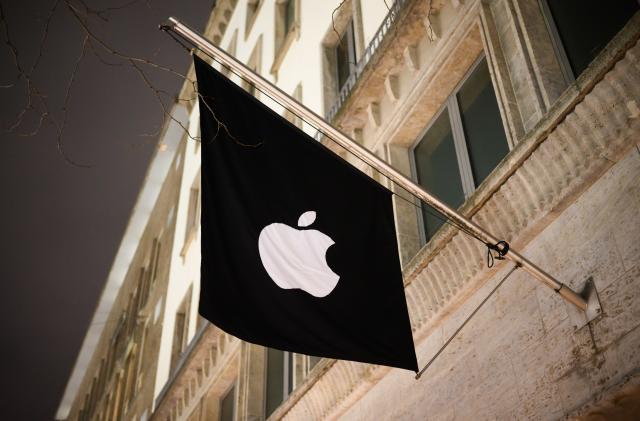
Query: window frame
{"points": [[567, 70], [283, 38], [556, 42], [467, 179], [223, 396], [287, 386], [192, 222], [352, 53]]}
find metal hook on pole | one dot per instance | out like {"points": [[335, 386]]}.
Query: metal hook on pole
{"points": [[371, 159]]}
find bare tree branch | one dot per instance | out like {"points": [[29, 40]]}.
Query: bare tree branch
{"points": [[36, 101]]}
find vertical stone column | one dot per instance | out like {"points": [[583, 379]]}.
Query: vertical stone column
{"points": [[544, 61], [404, 212], [523, 62], [210, 406], [251, 381]]}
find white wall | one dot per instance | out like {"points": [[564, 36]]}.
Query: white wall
{"points": [[303, 61], [184, 272]]}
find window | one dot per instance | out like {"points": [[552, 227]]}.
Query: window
{"points": [[285, 28], [144, 286], [101, 376], [140, 354], [130, 379], [118, 339], [345, 55], [341, 44], [253, 6], [289, 115], [148, 274], [582, 28], [118, 397], [132, 313], [279, 378], [155, 258], [180, 330], [462, 145], [193, 215], [228, 405]]}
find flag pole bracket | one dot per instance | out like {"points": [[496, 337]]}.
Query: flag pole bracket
{"points": [[589, 293]]}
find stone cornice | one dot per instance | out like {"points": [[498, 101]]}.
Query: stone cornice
{"points": [[214, 354]]}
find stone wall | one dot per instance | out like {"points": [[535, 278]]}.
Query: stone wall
{"points": [[566, 196], [520, 356]]}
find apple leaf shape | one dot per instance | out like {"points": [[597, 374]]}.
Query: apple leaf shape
{"points": [[306, 219]]}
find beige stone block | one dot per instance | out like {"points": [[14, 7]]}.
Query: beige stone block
{"points": [[411, 58], [626, 221], [584, 240], [520, 286], [500, 14], [540, 398], [620, 307], [495, 396], [574, 388], [628, 351], [552, 307]]}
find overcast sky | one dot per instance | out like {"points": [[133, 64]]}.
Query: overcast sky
{"points": [[61, 224]]}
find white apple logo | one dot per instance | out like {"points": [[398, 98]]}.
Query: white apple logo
{"points": [[296, 258]]}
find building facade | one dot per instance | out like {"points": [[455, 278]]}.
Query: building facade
{"points": [[523, 114]]}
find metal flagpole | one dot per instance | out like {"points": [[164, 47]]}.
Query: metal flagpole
{"points": [[371, 159]]}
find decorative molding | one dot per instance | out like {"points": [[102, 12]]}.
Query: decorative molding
{"points": [[411, 58], [215, 354], [373, 112], [392, 87], [356, 134], [432, 25]]}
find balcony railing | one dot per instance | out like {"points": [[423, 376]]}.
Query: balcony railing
{"points": [[369, 52]]}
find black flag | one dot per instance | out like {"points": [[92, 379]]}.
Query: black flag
{"points": [[299, 249]]}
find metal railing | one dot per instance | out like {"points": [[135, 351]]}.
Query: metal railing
{"points": [[367, 55]]}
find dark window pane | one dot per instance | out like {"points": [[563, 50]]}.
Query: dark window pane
{"points": [[275, 379], [345, 55], [227, 406], [437, 169], [483, 130], [290, 368], [586, 26]]}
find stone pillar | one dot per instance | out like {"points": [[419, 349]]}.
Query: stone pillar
{"points": [[210, 406], [405, 213], [523, 62], [251, 381]]}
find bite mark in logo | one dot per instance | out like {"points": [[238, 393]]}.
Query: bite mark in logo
{"points": [[296, 258]]}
